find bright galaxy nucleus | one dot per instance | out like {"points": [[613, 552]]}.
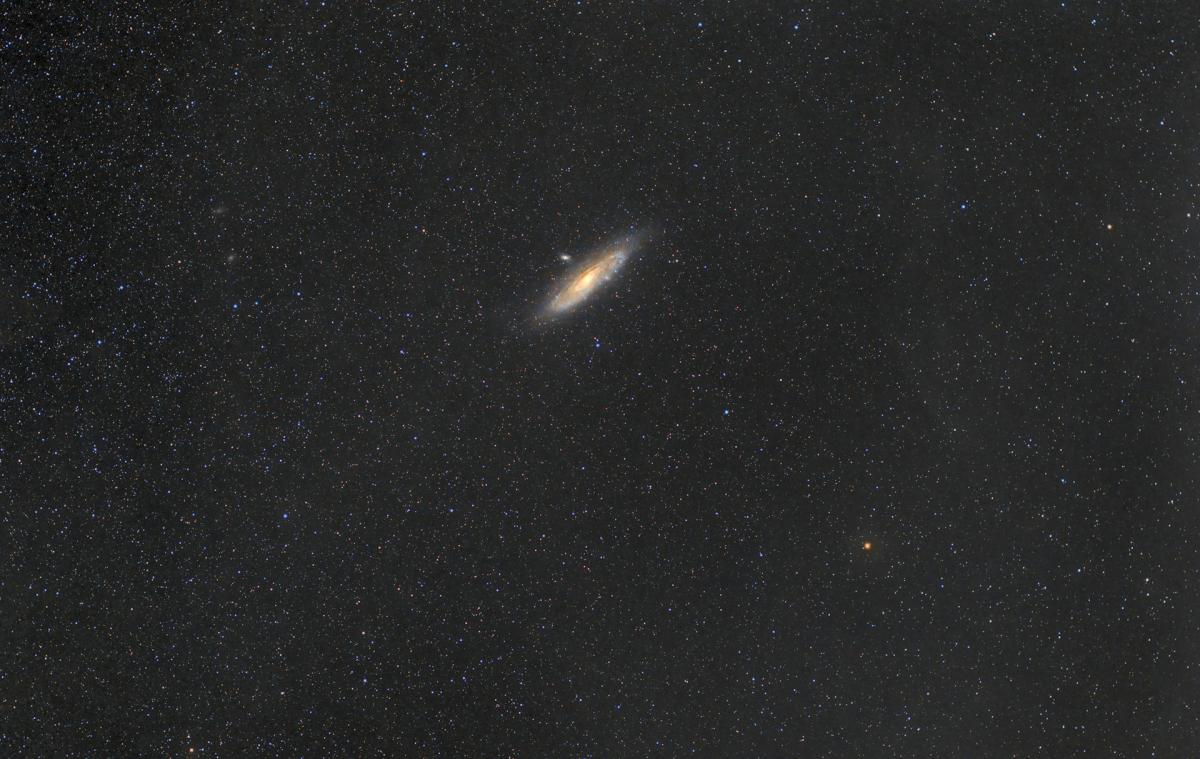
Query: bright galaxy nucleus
{"points": [[589, 276]]}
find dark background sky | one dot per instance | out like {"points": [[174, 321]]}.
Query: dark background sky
{"points": [[286, 467]]}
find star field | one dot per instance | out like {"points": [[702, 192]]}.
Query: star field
{"points": [[883, 445]]}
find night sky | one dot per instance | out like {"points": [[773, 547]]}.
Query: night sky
{"points": [[879, 439]]}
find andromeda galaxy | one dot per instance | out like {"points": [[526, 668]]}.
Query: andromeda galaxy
{"points": [[598, 269]]}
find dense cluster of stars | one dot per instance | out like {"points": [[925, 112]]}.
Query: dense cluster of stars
{"points": [[883, 447]]}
